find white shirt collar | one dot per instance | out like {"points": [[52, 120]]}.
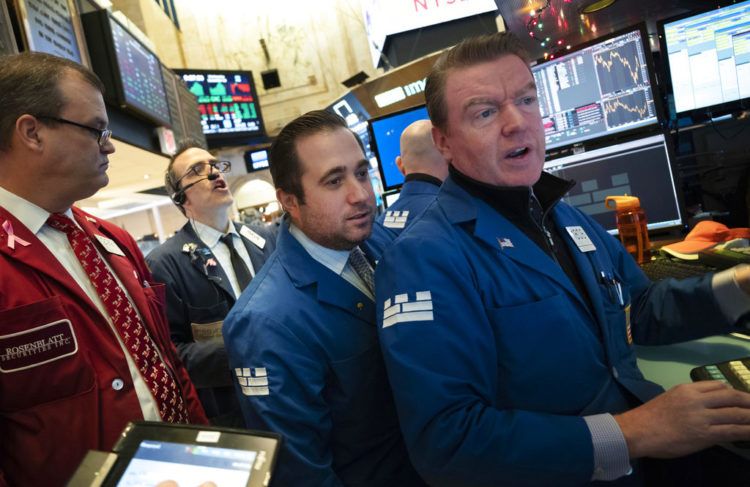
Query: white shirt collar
{"points": [[31, 215], [333, 259], [209, 235]]}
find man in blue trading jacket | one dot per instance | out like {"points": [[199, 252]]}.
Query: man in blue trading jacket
{"points": [[205, 266], [302, 339], [506, 315], [424, 169]]}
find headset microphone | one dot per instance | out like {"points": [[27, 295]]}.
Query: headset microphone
{"points": [[179, 196]]}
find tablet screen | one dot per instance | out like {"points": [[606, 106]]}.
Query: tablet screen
{"points": [[167, 464]]}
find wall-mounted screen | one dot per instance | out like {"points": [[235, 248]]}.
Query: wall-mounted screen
{"points": [[354, 114], [597, 90], [52, 27], [227, 101], [131, 73], [641, 168], [255, 160], [708, 59], [385, 137]]}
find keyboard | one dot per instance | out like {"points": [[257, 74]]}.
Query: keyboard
{"points": [[725, 258], [735, 373], [662, 268]]}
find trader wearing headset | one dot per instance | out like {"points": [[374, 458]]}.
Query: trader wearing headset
{"points": [[205, 266]]}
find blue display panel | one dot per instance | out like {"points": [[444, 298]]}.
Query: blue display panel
{"points": [[598, 90], [708, 59], [385, 141]]}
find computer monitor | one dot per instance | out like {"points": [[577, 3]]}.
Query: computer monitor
{"points": [[641, 167], [131, 73], [354, 114], [599, 90], [708, 60], [385, 136], [256, 160], [228, 104]]}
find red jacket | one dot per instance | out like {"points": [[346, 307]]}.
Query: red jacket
{"points": [[65, 387]]}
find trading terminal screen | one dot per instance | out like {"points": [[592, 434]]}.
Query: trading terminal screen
{"points": [[597, 91], [227, 100], [640, 167], [709, 57], [140, 75]]}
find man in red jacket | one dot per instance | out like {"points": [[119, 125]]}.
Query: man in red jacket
{"points": [[84, 346]]}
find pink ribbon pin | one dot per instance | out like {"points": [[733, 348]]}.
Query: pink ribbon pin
{"points": [[12, 239]]}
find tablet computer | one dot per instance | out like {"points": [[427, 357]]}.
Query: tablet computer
{"points": [[159, 454]]}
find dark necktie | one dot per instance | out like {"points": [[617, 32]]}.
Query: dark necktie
{"points": [[361, 266], [128, 324], [241, 271]]}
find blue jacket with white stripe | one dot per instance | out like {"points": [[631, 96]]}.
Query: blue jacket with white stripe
{"points": [[415, 196], [303, 345], [494, 356]]}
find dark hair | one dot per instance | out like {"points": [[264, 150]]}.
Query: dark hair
{"points": [[170, 178], [284, 160], [29, 84], [469, 52]]}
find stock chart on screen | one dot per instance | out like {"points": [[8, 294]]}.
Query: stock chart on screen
{"points": [[227, 101], [596, 91]]}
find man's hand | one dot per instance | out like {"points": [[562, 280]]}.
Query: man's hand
{"points": [[686, 419], [742, 277]]}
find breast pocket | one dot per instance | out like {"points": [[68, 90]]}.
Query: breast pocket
{"points": [[41, 358], [206, 322], [545, 351]]}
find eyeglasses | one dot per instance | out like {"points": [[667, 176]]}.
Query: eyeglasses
{"points": [[102, 136], [204, 168]]}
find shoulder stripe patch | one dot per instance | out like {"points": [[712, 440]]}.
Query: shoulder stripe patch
{"points": [[402, 310], [395, 219]]}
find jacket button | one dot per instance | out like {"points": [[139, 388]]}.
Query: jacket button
{"points": [[118, 384], [615, 373]]}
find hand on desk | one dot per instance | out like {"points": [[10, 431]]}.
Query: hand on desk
{"points": [[685, 419], [742, 277]]}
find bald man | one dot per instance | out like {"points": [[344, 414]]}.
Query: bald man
{"points": [[424, 169]]}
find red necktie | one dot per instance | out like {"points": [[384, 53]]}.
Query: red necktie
{"points": [[127, 322]]}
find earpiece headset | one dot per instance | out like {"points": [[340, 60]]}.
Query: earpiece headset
{"points": [[178, 194]]}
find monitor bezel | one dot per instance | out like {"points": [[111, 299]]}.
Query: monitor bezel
{"points": [[122, 99], [702, 114], [653, 227], [232, 136], [621, 135], [9, 37], [374, 143]]}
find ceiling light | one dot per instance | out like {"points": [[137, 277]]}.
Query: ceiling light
{"points": [[595, 6]]}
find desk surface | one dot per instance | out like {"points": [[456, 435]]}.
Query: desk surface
{"points": [[669, 365]]}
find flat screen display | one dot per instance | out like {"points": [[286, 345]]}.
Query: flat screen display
{"points": [[385, 140], [708, 58], [140, 75], [641, 168], [354, 114], [598, 90], [256, 160], [156, 462], [227, 101]]}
